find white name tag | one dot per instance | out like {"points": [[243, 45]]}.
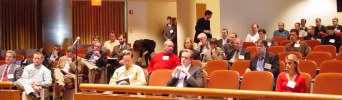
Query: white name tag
{"points": [[268, 66], [319, 40], [297, 45], [332, 40], [241, 57], [338, 31], [96, 58], [291, 84], [171, 31], [10, 76], [269, 44], [165, 57]]}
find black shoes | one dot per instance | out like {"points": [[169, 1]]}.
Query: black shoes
{"points": [[35, 96]]}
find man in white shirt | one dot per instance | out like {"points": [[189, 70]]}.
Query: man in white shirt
{"points": [[224, 40], [254, 36], [109, 45]]}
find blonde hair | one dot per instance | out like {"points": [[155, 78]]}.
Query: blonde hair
{"points": [[292, 57]]}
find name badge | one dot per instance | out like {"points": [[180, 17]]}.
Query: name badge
{"points": [[10, 76], [297, 45], [268, 66], [319, 40], [291, 84], [96, 58], [269, 44], [241, 57], [332, 40], [165, 57], [171, 31], [338, 31]]}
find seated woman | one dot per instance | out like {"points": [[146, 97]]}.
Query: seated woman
{"points": [[189, 44], [291, 80], [214, 53]]}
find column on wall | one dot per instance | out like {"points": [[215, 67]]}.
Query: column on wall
{"points": [[186, 20]]}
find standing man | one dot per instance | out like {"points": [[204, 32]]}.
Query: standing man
{"points": [[203, 26], [170, 33], [35, 77], [224, 39], [111, 42], [10, 71], [164, 60], [281, 32], [302, 25]]}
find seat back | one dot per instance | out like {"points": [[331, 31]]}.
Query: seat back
{"points": [[19, 57], [196, 63], [319, 57], [283, 43], [276, 49], [2, 62], [252, 50], [224, 79], [205, 79], [159, 77], [339, 34], [257, 80], [55, 63], [328, 83], [240, 66], [281, 66], [331, 66], [339, 56], [146, 76], [108, 52], [278, 39], [81, 55], [326, 48], [308, 66], [282, 55], [313, 43], [82, 51], [213, 65], [247, 44], [307, 81]]}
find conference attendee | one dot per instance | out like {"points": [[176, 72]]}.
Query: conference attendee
{"points": [[147, 48], [55, 54], [302, 33], [118, 50], [165, 59], [312, 35], [188, 44], [96, 39], [262, 35], [238, 53], [170, 33], [332, 38], [10, 71], [214, 53], [281, 32], [337, 27], [35, 76], [302, 25], [129, 73], [254, 36], [45, 62], [224, 38], [291, 80], [203, 44], [109, 45], [229, 47], [297, 45], [65, 71], [203, 26], [319, 28], [186, 75], [95, 60], [264, 60]]}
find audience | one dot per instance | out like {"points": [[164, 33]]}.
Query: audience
{"points": [[337, 28], [237, 53], [203, 26], [302, 33], [186, 75], [188, 44], [319, 28], [291, 80], [254, 36], [96, 39], [281, 32], [10, 71], [297, 45], [170, 33], [312, 35], [214, 53], [95, 60], [262, 34], [332, 38], [118, 50], [302, 25], [35, 77], [165, 59], [109, 45], [203, 45], [224, 39], [229, 47], [55, 54]]}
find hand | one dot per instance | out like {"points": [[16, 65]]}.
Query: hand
{"points": [[213, 51], [200, 44], [247, 70], [206, 31], [121, 62], [97, 53], [34, 84], [185, 72], [177, 70], [145, 53]]}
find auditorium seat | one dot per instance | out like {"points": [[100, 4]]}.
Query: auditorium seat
{"points": [[108, 52], [55, 63], [81, 55], [82, 51], [257, 80], [283, 43], [339, 56], [240, 66], [224, 79], [205, 79], [307, 81], [313, 43], [197, 63], [282, 55], [19, 57], [276, 49], [252, 50], [2, 62], [319, 57], [331, 66], [326, 48], [146, 76], [159, 77], [281, 66], [247, 44], [279, 39], [308, 66], [328, 83], [213, 65]]}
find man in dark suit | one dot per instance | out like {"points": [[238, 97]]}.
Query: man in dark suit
{"points": [[332, 38], [312, 35], [186, 75], [55, 54], [96, 60], [229, 47], [319, 28], [238, 53], [203, 26], [10, 71], [337, 28], [224, 40], [264, 61]]}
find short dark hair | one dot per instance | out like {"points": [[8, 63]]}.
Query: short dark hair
{"points": [[168, 17], [208, 12], [190, 52], [263, 42], [225, 29], [262, 30], [96, 37], [234, 34], [255, 24], [298, 23], [173, 18], [296, 31], [69, 49], [58, 47], [213, 41], [304, 20], [330, 28], [319, 19]]}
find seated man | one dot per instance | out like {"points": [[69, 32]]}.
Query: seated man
{"points": [[10, 71], [65, 71], [214, 53], [55, 54], [296, 45], [129, 73], [332, 38], [263, 60], [111, 42], [229, 47], [164, 60], [35, 77], [186, 75], [238, 53], [312, 35], [95, 59], [203, 45]]}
